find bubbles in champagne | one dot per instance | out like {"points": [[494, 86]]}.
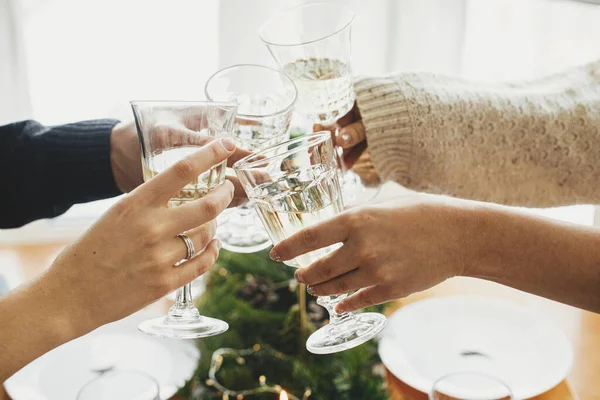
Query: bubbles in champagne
{"points": [[196, 189], [325, 91], [296, 201]]}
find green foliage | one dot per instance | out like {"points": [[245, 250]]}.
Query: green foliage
{"points": [[259, 300]]}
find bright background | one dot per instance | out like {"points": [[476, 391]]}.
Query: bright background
{"points": [[67, 60]]}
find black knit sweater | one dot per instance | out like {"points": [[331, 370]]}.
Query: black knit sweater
{"points": [[45, 170]]}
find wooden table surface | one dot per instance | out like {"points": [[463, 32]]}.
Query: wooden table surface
{"points": [[582, 328]]}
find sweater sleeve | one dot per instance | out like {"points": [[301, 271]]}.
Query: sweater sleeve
{"points": [[45, 170], [534, 143]]}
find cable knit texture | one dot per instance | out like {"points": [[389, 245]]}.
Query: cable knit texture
{"points": [[533, 143]]}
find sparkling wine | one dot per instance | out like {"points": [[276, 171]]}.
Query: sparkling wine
{"points": [[196, 189], [297, 201], [325, 91]]}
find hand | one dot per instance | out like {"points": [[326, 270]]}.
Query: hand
{"points": [[125, 157], [126, 260], [389, 251], [350, 135]]}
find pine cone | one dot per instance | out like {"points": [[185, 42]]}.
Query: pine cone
{"points": [[259, 292]]}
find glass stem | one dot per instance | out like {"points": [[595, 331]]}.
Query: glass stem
{"points": [[184, 309], [329, 302]]}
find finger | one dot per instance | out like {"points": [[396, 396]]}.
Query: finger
{"points": [[352, 155], [350, 281], [199, 236], [237, 155], [363, 298], [195, 117], [332, 266], [192, 269], [176, 134], [351, 116], [166, 184], [334, 230], [198, 212], [239, 195], [350, 135]]}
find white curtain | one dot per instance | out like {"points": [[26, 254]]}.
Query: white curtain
{"points": [[14, 89], [87, 59]]}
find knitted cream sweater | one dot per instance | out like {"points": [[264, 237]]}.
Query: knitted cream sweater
{"points": [[534, 143]]}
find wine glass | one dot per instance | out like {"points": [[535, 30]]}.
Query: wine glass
{"points": [[470, 386], [311, 44], [265, 98], [120, 385], [168, 132], [294, 185]]}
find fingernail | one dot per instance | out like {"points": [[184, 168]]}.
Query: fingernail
{"points": [[311, 291], [298, 276], [228, 144], [274, 256], [339, 309], [219, 244], [346, 138]]}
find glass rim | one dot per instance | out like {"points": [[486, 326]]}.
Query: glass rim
{"points": [[290, 10], [235, 66], [117, 372], [250, 162], [221, 104], [475, 373]]}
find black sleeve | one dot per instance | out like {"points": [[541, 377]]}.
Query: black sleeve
{"points": [[45, 170]]}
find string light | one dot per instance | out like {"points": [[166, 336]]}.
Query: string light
{"points": [[239, 356]]}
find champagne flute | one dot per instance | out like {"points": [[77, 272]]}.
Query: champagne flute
{"points": [[311, 44], [168, 132], [470, 386], [265, 98], [294, 185]]}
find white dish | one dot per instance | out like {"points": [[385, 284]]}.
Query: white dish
{"points": [[432, 338], [61, 373]]}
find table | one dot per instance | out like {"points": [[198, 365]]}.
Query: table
{"points": [[581, 327]]}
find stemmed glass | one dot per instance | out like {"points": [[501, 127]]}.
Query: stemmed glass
{"points": [[265, 99], [294, 185], [470, 386], [311, 44], [168, 132]]}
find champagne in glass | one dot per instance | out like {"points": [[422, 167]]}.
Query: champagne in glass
{"points": [[163, 159], [169, 132], [295, 185], [265, 99], [325, 90], [311, 44]]}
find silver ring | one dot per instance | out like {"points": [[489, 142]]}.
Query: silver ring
{"points": [[191, 251]]}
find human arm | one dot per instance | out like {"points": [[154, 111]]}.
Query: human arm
{"points": [[532, 143], [393, 249], [46, 170], [124, 262]]}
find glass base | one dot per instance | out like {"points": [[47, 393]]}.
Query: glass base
{"points": [[241, 231], [353, 332], [354, 191], [166, 327]]}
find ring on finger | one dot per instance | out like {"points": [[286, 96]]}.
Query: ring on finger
{"points": [[189, 245]]}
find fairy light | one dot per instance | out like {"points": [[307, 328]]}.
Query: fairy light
{"points": [[239, 356]]}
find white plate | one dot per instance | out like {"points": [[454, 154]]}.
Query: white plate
{"points": [[60, 374], [426, 340]]}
